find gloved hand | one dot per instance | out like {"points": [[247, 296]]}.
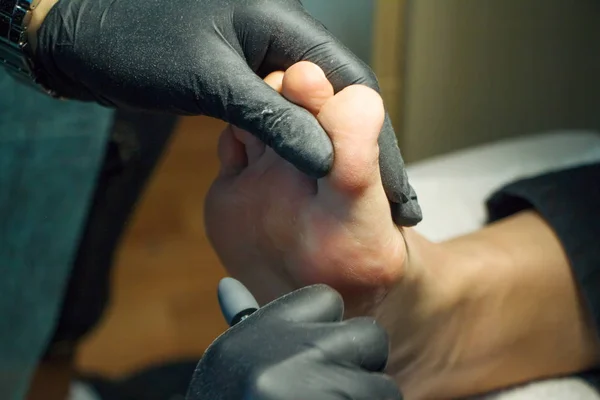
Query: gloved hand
{"points": [[296, 348], [209, 57]]}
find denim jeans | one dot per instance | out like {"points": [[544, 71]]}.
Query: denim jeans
{"points": [[50, 155]]}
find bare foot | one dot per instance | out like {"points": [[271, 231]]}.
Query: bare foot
{"points": [[276, 229]]}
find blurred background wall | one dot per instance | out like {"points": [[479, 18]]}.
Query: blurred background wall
{"points": [[350, 20], [480, 70]]}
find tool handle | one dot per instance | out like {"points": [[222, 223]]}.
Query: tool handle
{"points": [[237, 303]]}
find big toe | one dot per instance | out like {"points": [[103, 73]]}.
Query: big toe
{"points": [[353, 119]]}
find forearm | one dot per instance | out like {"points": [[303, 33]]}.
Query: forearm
{"points": [[529, 320]]}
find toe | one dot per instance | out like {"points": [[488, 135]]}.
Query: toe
{"points": [[306, 85], [353, 120], [275, 80], [253, 147], [232, 153]]}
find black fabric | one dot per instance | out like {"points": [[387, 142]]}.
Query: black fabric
{"points": [[297, 348], [162, 382], [208, 57], [137, 142], [569, 200]]}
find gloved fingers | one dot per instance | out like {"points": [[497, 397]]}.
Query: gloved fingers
{"points": [[349, 70], [253, 146], [305, 85], [358, 342], [360, 385], [322, 382], [353, 120], [312, 304], [305, 39], [293, 132], [404, 203]]}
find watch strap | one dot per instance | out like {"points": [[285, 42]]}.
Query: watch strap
{"points": [[15, 53]]}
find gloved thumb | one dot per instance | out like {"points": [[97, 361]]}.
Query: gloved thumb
{"points": [[291, 131]]}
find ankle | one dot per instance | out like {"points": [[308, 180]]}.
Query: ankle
{"points": [[440, 333], [420, 313]]}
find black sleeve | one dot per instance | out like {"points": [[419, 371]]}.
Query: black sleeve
{"points": [[569, 200]]}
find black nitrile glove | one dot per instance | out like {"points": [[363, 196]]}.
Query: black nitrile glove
{"points": [[208, 57], [296, 348]]}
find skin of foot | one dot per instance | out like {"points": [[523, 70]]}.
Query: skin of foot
{"points": [[276, 229], [464, 317]]}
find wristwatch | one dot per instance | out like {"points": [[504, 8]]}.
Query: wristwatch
{"points": [[15, 52]]}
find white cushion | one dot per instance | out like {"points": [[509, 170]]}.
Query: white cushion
{"points": [[452, 189]]}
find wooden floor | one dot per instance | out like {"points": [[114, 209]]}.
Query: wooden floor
{"points": [[164, 302]]}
